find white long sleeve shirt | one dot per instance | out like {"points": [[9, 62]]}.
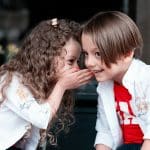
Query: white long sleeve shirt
{"points": [[137, 81], [18, 112]]}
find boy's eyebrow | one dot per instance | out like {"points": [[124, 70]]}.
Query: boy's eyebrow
{"points": [[93, 49]]}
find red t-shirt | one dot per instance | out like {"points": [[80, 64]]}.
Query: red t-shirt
{"points": [[131, 130]]}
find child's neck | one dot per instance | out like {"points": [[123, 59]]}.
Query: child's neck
{"points": [[120, 76], [116, 82]]}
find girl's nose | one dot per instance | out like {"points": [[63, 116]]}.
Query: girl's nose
{"points": [[76, 65]]}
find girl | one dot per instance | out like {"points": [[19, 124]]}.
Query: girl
{"points": [[34, 84], [111, 44]]}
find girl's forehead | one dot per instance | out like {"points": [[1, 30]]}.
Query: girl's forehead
{"points": [[72, 47]]}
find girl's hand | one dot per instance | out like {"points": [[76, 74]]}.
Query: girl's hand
{"points": [[73, 78], [102, 147]]}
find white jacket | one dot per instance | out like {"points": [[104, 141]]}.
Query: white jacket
{"points": [[137, 81], [18, 112]]}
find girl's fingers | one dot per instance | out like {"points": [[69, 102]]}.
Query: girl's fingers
{"points": [[70, 70], [85, 75], [85, 79], [84, 82]]}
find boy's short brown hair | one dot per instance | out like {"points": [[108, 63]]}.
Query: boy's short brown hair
{"points": [[115, 34]]}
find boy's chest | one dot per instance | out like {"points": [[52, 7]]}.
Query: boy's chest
{"points": [[130, 106], [123, 105]]}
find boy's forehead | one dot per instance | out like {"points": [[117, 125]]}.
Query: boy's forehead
{"points": [[87, 43], [86, 39]]}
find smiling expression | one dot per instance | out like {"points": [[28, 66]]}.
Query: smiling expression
{"points": [[94, 63]]}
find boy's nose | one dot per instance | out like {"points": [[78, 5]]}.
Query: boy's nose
{"points": [[89, 63]]}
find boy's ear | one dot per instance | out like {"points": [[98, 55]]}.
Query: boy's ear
{"points": [[129, 54]]}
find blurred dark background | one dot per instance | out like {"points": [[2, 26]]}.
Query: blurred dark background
{"points": [[17, 17]]}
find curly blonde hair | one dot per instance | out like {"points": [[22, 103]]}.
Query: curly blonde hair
{"points": [[35, 62]]}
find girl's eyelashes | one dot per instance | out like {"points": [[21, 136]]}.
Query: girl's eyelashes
{"points": [[70, 61], [78, 61]]}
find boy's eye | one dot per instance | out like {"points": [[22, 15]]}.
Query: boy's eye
{"points": [[85, 53], [97, 54]]}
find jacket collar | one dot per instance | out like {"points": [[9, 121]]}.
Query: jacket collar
{"points": [[132, 72]]}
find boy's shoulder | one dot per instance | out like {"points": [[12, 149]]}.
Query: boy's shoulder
{"points": [[143, 70], [137, 70]]}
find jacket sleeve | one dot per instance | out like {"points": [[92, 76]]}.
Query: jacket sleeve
{"points": [[32, 142], [143, 106], [20, 100], [103, 135]]}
